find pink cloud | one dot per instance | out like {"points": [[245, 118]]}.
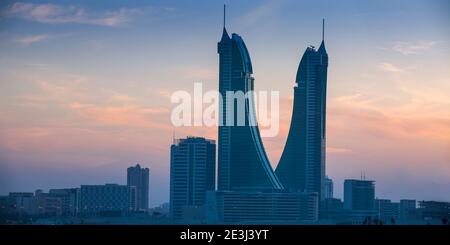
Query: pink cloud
{"points": [[407, 48], [395, 122], [59, 14], [33, 39], [198, 73], [390, 67], [126, 116]]}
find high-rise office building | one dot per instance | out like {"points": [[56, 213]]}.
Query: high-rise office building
{"points": [[192, 174], [242, 161], [302, 163], [359, 194], [328, 188], [139, 178]]}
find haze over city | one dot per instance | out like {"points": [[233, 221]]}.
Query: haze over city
{"points": [[85, 88]]}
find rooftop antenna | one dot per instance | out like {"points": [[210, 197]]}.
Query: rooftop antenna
{"points": [[323, 29], [224, 14]]}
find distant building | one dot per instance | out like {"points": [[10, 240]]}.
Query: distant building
{"points": [[161, 210], [22, 203], [20, 194], [432, 210], [359, 194], [331, 209], [263, 207], [388, 211], [49, 205], [57, 202], [407, 210], [70, 200], [359, 200], [192, 174], [109, 198], [328, 188], [139, 178], [5, 206]]}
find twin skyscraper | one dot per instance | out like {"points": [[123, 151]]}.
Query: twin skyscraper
{"points": [[243, 163], [248, 189], [302, 164]]}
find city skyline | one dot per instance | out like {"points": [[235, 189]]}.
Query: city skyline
{"points": [[195, 200], [95, 112]]}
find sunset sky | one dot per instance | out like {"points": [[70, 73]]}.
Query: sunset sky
{"points": [[85, 86]]}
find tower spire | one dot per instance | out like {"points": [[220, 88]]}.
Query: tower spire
{"points": [[224, 31], [322, 45], [323, 29], [224, 14]]}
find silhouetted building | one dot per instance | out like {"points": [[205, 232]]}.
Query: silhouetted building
{"points": [[359, 194], [242, 160], [302, 163], [108, 199], [192, 173], [432, 210], [161, 211], [139, 178], [328, 188], [331, 209], [359, 200], [5, 207], [388, 211], [407, 210], [49, 205], [248, 188], [69, 200], [21, 203], [263, 207]]}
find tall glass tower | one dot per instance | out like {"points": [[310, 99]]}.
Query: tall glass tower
{"points": [[192, 174], [242, 161], [302, 164]]}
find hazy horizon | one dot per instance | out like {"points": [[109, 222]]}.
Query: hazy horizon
{"points": [[85, 87]]}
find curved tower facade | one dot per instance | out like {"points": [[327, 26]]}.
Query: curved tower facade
{"points": [[242, 160], [302, 163]]}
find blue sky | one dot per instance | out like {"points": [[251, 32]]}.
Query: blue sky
{"points": [[85, 86]]}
